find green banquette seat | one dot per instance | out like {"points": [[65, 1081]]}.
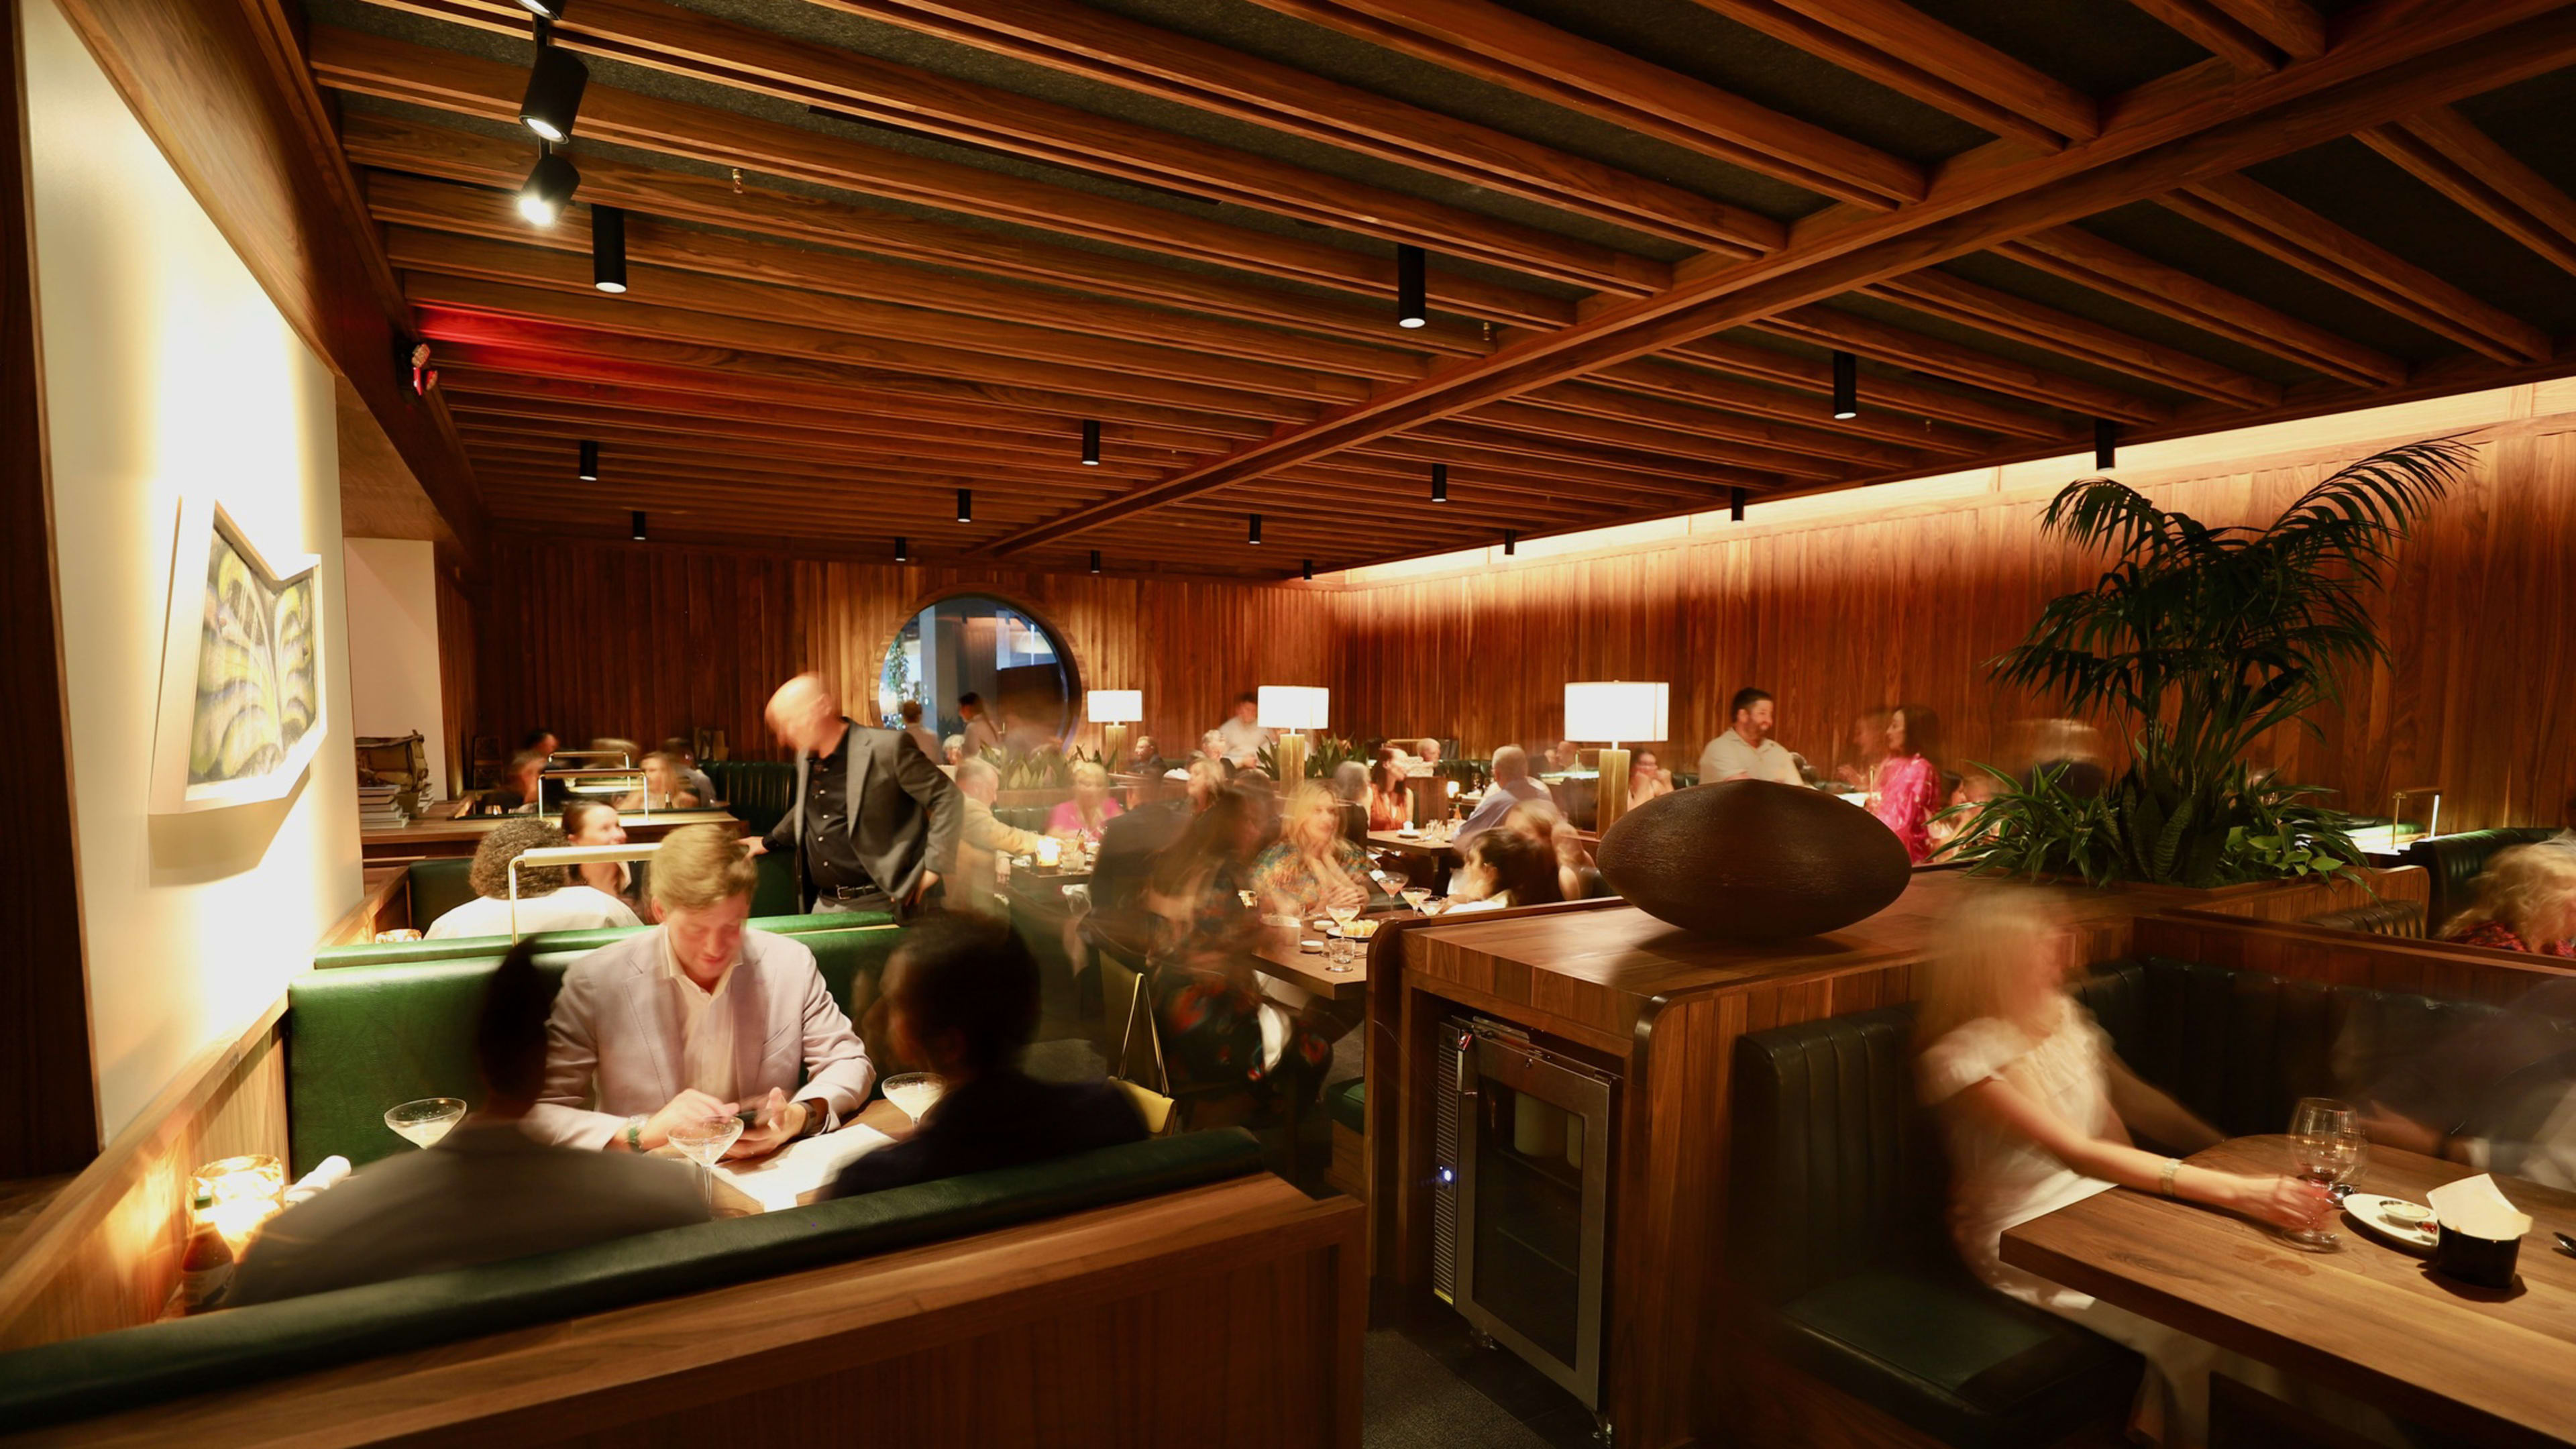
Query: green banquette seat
{"points": [[439, 886]]}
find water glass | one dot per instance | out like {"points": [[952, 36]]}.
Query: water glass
{"points": [[2326, 1148]]}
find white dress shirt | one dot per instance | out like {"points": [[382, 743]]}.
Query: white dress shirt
{"points": [[1728, 756], [1242, 741], [571, 908], [706, 1033]]}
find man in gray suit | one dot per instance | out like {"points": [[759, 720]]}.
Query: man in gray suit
{"points": [[875, 823]]}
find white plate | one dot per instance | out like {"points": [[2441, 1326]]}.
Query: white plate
{"points": [[2371, 1211]]}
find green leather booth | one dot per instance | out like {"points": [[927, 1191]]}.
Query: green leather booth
{"points": [[362, 1038], [1836, 1233], [1347, 1104], [758, 792], [2454, 862], [436, 887], [83, 1377]]}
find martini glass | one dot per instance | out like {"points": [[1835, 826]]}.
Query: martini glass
{"points": [[1415, 896], [916, 1092], [704, 1140], [424, 1122]]}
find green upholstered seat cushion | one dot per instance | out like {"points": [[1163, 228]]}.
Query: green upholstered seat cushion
{"points": [[437, 887], [1347, 1102], [360, 1039], [1950, 1356], [757, 792], [82, 1377], [400, 953]]}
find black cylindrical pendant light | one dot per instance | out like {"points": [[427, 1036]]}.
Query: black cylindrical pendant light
{"points": [[2106, 443], [635, 520], [546, 9], [1307, 566], [1095, 560], [965, 505], [1256, 529], [1846, 385], [1511, 542], [590, 462], [1735, 504], [608, 248], [1439, 482], [1091, 442], [554, 93], [1411, 309], [902, 549], [548, 189]]}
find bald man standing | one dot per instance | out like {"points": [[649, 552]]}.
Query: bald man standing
{"points": [[875, 822]]}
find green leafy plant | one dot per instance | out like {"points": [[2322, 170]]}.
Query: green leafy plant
{"points": [[2194, 643], [1327, 756]]}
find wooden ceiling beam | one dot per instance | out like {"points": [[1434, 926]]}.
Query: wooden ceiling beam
{"points": [[1867, 336], [1112, 50], [725, 368], [473, 211], [444, 80], [1741, 466], [2443, 150], [424, 254], [1662, 385], [589, 309], [1816, 453], [2280, 228], [2177, 139], [1506, 48], [553, 444], [1954, 299], [2204, 24], [401, 144], [1879, 395], [1897, 69], [1899, 29], [1509, 453], [719, 52], [667, 499], [2293, 25], [2113, 270]]}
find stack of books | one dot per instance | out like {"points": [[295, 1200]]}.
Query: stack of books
{"points": [[377, 809]]}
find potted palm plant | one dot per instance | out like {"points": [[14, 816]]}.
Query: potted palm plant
{"points": [[2195, 642]]}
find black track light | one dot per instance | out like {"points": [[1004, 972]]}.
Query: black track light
{"points": [[548, 189], [636, 521], [1307, 566], [1846, 385], [554, 93], [1439, 482], [1511, 542], [590, 462], [608, 248], [1410, 293], [1095, 560], [1256, 529], [1735, 504], [1091, 442], [965, 505], [902, 549], [546, 9], [2106, 443]]}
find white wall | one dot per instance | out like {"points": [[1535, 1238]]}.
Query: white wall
{"points": [[393, 645], [168, 371]]}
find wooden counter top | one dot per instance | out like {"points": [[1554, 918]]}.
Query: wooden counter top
{"points": [[424, 838]]}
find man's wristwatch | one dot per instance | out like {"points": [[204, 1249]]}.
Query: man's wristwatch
{"points": [[635, 1132], [816, 1115]]}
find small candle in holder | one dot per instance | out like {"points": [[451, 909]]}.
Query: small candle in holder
{"points": [[1049, 852]]}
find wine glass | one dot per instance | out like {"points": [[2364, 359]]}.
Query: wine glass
{"points": [[425, 1122], [916, 1092], [2325, 1149], [1414, 896], [704, 1140]]}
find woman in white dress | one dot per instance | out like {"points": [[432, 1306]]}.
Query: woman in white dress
{"points": [[2036, 1110]]}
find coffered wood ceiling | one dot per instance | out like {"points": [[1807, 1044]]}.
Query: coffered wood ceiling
{"points": [[882, 250]]}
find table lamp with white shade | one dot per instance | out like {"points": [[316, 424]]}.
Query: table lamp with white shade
{"points": [[1114, 710], [1618, 711], [1291, 710]]}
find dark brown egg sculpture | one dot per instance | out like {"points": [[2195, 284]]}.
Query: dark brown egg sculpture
{"points": [[1748, 860]]}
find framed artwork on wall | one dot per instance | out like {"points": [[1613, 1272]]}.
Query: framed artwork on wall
{"points": [[240, 711]]}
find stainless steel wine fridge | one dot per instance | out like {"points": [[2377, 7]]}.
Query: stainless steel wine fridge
{"points": [[1521, 1208]]}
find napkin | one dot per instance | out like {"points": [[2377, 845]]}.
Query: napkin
{"points": [[2472, 1206], [786, 1177]]}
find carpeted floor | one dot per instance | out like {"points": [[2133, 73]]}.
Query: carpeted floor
{"points": [[1413, 1401]]}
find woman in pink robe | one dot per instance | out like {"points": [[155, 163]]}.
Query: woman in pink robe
{"points": [[1906, 787]]}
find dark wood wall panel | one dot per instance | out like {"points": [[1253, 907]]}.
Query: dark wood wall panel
{"points": [[2478, 694]]}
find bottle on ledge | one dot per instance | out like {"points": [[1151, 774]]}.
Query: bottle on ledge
{"points": [[207, 1268]]}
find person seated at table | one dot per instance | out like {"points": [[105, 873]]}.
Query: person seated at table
{"points": [[540, 742], [520, 788], [952, 750], [1906, 789], [1222, 1023], [698, 781], [1745, 749], [1241, 739], [1144, 757], [984, 837], [666, 786], [1512, 785], [1577, 877], [1647, 779], [962, 1001], [1426, 758], [1090, 810], [1505, 868], [546, 901], [1563, 756], [2526, 902], [594, 822], [1390, 802], [699, 1017], [1131, 843], [486, 1193], [2037, 1113], [1314, 866]]}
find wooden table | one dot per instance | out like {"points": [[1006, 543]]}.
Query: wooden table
{"points": [[1280, 957], [1404, 844], [429, 839], [2370, 1320]]}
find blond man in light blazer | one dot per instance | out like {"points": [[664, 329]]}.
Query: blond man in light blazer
{"points": [[698, 1018]]}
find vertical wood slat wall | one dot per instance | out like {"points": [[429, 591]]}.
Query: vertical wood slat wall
{"points": [[1834, 616]]}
